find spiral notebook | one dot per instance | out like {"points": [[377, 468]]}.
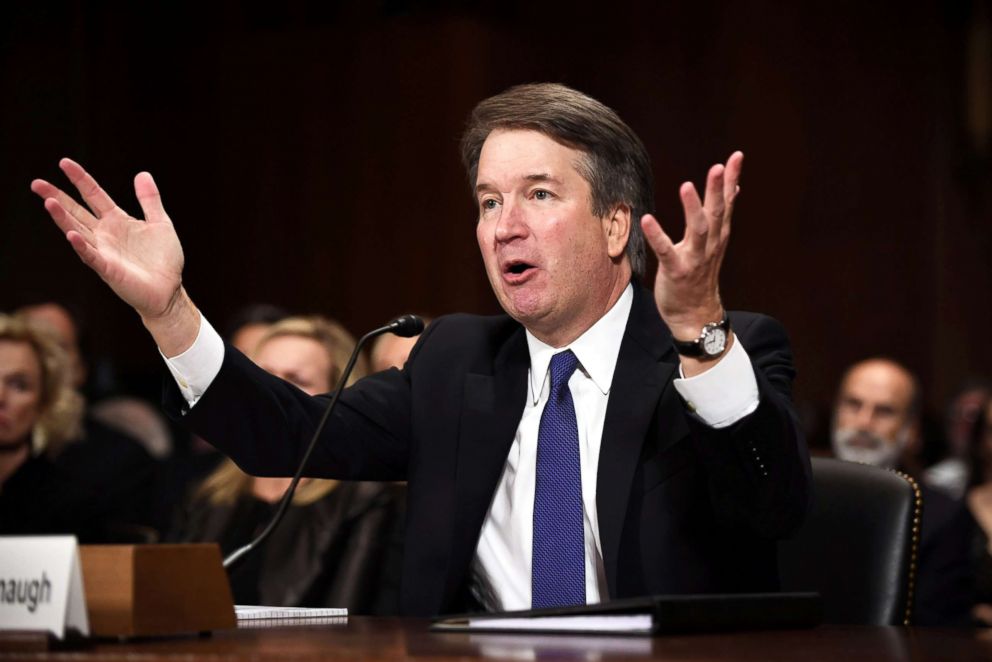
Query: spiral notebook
{"points": [[254, 616]]}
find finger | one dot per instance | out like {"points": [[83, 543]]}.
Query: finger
{"points": [[732, 177], [731, 189], [714, 203], [66, 221], [697, 226], [44, 190], [93, 195], [87, 253], [660, 243], [149, 198]]}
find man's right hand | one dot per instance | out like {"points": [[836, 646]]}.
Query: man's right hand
{"points": [[141, 260]]}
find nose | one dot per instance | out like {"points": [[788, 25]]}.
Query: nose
{"points": [[863, 418], [511, 224]]}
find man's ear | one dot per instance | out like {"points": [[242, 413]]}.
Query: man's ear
{"points": [[617, 227]]}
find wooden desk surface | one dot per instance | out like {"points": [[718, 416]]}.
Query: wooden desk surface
{"points": [[408, 639]]}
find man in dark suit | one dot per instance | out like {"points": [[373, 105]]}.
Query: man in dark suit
{"points": [[876, 421], [598, 442]]}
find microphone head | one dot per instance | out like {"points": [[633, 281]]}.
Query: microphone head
{"points": [[407, 326]]}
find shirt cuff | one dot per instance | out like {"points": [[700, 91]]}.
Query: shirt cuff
{"points": [[725, 393], [195, 369]]}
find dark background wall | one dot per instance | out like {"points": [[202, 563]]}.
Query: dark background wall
{"points": [[307, 154]]}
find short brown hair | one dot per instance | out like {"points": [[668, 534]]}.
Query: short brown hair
{"points": [[617, 166]]}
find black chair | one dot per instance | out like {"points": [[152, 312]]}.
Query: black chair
{"points": [[858, 547]]}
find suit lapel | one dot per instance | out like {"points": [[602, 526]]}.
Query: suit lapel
{"points": [[493, 405], [644, 371], [494, 402]]}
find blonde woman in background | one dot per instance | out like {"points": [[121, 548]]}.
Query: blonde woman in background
{"points": [[335, 545], [39, 408]]}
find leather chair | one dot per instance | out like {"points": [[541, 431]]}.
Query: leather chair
{"points": [[858, 547]]}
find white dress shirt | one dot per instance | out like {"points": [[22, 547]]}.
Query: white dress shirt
{"points": [[501, 569], [502, 566]]}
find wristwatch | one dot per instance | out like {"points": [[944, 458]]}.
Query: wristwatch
{"points": [[710, 343]]}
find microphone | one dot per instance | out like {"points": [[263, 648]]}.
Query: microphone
{"points": [[405, 326]]}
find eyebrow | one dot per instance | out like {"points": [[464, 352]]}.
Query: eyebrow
{"points": [[535, 177], [542, 177], [19, 373]]}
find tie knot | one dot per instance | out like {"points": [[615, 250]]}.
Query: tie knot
{"points": [[563, 364]]}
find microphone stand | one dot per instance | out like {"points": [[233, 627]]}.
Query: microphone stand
{"points": [[406, 326]]}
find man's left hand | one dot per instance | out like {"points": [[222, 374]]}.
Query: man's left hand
{"points": [[686, 288]]}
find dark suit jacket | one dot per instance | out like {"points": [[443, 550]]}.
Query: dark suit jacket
{"points": [[119, 470], [945, 581], [683, 508], [39, 498]]}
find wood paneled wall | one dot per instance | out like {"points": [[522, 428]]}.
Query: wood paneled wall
{"points": [[308, 155]]}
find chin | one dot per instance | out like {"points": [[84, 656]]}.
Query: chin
{"points": [[525, 308]]}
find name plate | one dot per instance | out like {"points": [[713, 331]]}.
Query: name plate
{"points": [[41, 586]]}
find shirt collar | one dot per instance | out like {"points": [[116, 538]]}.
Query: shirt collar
{"points": [[596, 349]]}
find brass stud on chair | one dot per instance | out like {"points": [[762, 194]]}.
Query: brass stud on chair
{"points": [[915, 542]]}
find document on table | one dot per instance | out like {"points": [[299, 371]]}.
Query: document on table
{"points": [[623, 623], [653, 614]]}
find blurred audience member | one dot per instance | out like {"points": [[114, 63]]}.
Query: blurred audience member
{"points": [[391, 351], [104, 458], [964, 410], [252, 322], [65, 330], [877, 421], [38, 407], [876, 415], [979, 499], [333, 546], [137, 419], [197, 459], [133, 417]]}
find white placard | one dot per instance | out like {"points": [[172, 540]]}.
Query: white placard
{"points": [[41, 586]]}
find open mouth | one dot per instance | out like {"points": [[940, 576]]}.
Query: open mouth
{"points": [[517, 271], [518, 268]]}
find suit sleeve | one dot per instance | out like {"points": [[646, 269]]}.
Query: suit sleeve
{"points": [[264, 423], [758, 469]]}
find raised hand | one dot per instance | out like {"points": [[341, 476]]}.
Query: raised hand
{"points": [[687, 289], [141, 260]]}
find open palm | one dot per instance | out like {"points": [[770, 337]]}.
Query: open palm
{"points": [[687, 288], [141, 260]]}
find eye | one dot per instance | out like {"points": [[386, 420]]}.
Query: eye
{"points": [[541, 194], [19, 383], [851, 404], [489, 204]]}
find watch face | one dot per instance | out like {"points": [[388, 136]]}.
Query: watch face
{"points": [[715, 341]]}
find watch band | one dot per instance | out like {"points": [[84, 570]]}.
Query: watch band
{"points": [[695, 348]]}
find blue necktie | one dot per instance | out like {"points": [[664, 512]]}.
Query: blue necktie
{"points": [[558, 576]]}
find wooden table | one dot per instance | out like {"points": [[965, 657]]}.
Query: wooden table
{"points": [[408, 639]]}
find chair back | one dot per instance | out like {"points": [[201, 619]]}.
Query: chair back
{"points": [[858, 546]]}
